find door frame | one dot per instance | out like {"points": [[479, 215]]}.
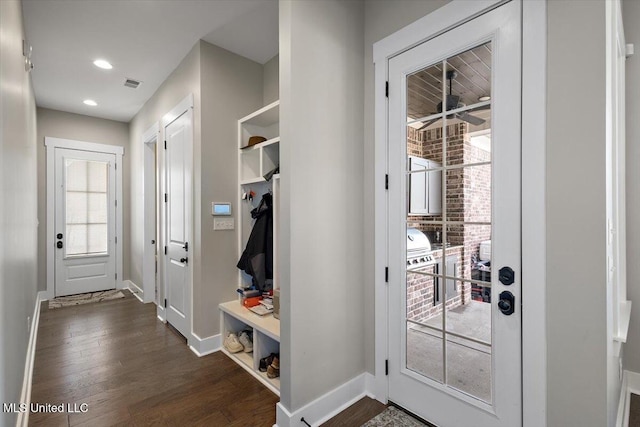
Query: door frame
{"points": [[51, 144], [534, 53], [183, 106], [151, 181]]}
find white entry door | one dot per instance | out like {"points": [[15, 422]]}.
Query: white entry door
{"points": [[179, 140], [85, 221], [455, 316]]}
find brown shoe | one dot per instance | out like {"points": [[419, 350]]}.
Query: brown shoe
{"points": [[273, 370]]}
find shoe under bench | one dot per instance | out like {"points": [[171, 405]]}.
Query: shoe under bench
{"points": [[266, 339]]}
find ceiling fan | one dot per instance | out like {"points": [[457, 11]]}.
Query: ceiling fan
{"points": [[453, 103]]}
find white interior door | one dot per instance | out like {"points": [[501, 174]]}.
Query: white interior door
{"points": [[455, 101], [85, 221], [179, 140]]}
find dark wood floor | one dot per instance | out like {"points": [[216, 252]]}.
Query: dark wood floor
{"points": [[132, 370], [357, 414], [634, 411]]}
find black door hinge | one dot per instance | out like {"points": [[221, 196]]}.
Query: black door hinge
{"points": [[386, 274], [165, 144], [165, 250], [165, 303], [166, 197], [386, 182], [386, 89], [386, 366]]}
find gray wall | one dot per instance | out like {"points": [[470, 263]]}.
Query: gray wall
{"points": [[231, 88], [184, 80], [382, 18], [270, 80], [575, 187], [226, 87], [59, 124], [18, 210], [631, 17], [321, 68]]}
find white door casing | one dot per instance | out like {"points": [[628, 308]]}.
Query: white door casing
{"points": [[178, 134], [83, 178], [435, 401], [151, 195]]}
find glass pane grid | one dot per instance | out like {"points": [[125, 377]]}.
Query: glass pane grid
{"points": [[448, 310], [86, 210]]}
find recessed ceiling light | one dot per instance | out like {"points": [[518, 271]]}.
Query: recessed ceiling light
{"points": [[90, 102], [101, 63], [484, 98]]}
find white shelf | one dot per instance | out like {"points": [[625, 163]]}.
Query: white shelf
{"points": [[262, 144], [265, 116], [266, 339], [268, 324]]}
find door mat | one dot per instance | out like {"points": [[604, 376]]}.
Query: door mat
{"points": [[393, 417], [88, 298]]}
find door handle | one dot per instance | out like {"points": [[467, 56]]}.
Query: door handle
{"points": [[507, 303], [59, 244], [184, 260]]}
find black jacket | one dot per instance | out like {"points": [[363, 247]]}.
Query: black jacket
{"points": [[257, 258]]}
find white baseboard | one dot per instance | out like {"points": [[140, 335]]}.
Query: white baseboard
{"points": [[630, 384], [135, 289], [327, 406], [25, 396], [203, 346]]}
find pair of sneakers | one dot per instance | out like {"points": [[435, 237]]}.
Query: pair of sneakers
{"points": [[270, 365], [237, 343]]}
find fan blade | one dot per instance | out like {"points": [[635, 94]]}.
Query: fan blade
{"points": [[429, 123], [452, 102], [470, 119]]}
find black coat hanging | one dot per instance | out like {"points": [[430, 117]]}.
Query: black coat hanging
{"points": [[257, 258]]}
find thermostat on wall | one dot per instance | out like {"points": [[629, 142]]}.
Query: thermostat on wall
{"points": [[220, 209]]}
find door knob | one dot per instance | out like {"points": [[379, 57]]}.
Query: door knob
{"points": [[184, 260], [59, 236], [506, 304], [59, 245]]}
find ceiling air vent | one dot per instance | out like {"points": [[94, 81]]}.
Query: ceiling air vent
{"points": [[132, 83]]}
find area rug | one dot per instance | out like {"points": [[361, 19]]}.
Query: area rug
{"points": [[88, 298], [393, 417]]}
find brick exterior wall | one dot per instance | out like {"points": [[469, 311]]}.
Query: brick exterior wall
{"points": [[468, 199]]}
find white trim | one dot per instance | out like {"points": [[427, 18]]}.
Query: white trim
{"points": [[134, 289], [630, 384], [534, 294], [82, 145], [27, 381], [161, 313], [534, 53], [326, 406], [177, 111], [440, 20], [203, 346], [118, 151], [150, 138]]}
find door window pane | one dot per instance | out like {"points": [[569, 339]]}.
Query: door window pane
{"points": [[448, 310], [86, 212]]}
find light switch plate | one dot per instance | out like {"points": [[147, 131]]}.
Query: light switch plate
{"points": [[223, 223]]}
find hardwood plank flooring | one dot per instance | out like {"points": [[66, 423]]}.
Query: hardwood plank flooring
{"points": [[357, 414], [132, 370]]}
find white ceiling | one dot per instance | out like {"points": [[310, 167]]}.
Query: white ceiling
{"points": [[143, 40]]}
